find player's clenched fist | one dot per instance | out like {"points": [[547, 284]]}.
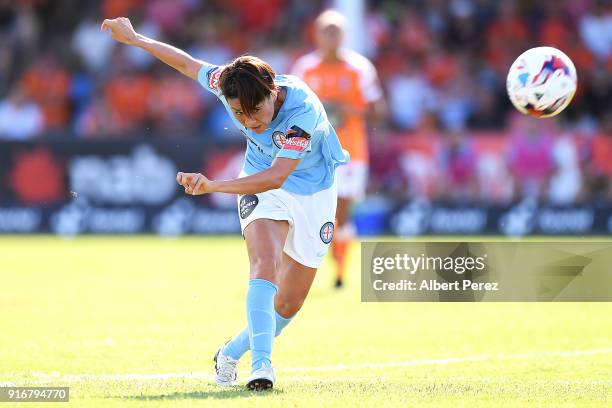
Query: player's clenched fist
{"points": [[121, 30], [194, 183]]}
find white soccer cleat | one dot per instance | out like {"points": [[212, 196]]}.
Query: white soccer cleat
{"points": [[261, 379], [225, 368]]}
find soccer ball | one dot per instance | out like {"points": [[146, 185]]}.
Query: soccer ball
{"points": [[541, 82]]}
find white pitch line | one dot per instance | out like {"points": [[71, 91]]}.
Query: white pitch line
{"points": [[57, 377]]}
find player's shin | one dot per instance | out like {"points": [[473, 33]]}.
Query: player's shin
{"points": [[261, 320], [240, 343]]}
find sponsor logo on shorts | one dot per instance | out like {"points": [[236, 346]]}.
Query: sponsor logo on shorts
{"points": [[247, 205], [327, 232], [213, 78], [279, 139]]}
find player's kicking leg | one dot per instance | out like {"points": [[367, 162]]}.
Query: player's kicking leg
{"points": [[296, 280], [265, 239], [293, 289]]}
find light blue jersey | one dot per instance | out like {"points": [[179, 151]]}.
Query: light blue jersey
{"points": [[320, 152]]}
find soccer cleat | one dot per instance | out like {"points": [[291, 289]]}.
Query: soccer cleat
{"points": [[262, 379], [225, 368], [339, 283]]}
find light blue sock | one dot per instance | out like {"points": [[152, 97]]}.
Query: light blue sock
{"points": [[261, 320], [240, 343], [281, 322]]}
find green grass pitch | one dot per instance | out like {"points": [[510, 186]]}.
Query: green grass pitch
{"points": [[135, 322]]}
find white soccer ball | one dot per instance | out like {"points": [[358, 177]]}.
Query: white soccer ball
{"points": [[541, 82]]}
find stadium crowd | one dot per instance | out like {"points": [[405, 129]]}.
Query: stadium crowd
{"points": [[442, 64]]}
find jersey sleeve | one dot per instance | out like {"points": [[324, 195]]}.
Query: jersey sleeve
{"points": [[299, 136], [208, 77]]}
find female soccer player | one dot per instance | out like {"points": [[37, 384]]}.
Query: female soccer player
{"points": [[286, 191]]}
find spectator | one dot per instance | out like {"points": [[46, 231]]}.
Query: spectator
{"points": [[20, 117], [456, 101], [92, 45], [555, 28], [458, 160], [485, 112], [596, 30], [599, 168], [178, 111], [48, 84], [112, 8], [129, 94], [168, 15], [565, 184], [251, 16], [507, 37], [99, 119], [530, 157], [410, 96]]}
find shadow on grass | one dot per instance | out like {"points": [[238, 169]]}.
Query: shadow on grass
{"points": [[216, 394]]}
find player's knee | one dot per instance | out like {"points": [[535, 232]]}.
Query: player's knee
{"points": [[287, 307], [265, 266]]}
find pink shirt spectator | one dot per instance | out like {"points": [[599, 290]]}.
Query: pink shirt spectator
{"points": [[530, 156]]}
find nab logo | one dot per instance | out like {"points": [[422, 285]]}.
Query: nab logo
{"points": [[247, 205], [327, 232]]}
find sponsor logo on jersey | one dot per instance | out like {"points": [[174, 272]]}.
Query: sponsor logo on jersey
{"points": [[247, 205], [279, 139], [213, 78], [298, 144], [327, 232], [297, 140]]}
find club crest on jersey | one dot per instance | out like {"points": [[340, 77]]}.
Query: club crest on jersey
{"points": [[247, 205], [279, 139], [327, 232], [297, 140], [213, 78]]}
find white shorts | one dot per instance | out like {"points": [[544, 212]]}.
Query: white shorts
{"points": [[352, 180], [311, 220]]}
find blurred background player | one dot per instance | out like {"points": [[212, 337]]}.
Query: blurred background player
{"points": [[347, 84]]}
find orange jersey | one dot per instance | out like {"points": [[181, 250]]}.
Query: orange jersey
{"points": [[345, 87]]}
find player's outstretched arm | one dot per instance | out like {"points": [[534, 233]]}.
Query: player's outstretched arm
{"points": [[122, 31], [269, 179]]}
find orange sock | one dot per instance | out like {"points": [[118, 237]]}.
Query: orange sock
{"points": [[339, 251]]}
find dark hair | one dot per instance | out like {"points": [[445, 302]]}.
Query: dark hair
{"points": [[249, 79]]}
